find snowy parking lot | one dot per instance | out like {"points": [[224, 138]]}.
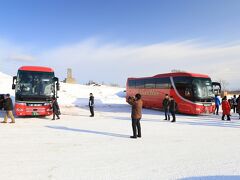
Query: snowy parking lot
{"points": [[80, 147]]}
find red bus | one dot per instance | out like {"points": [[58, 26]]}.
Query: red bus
{"points": [[193, 93], [34, 88]]}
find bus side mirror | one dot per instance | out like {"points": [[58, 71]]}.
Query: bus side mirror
{"points": [[14, 80], [57, 84], [217, 88]]}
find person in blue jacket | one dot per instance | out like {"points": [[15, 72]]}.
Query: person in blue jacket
{"points": [[217, 104]]}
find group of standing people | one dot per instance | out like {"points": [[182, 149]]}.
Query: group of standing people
{"points": [[227, 105], [169, 106], [8, 108]]}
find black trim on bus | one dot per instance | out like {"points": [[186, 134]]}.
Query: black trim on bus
{"points": [[150, 83]]}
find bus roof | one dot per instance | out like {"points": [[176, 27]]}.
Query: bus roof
{"points": [[175, 74], [36, 68]]}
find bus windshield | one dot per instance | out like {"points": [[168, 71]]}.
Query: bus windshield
{"points": [[30, 83], [194, 88]]}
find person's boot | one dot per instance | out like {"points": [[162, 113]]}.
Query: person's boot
{"points": [[133, 137], [4, 122], [139, 135], [12, 122]]}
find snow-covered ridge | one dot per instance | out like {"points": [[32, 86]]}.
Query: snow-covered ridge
{"points": [[76, 94]]}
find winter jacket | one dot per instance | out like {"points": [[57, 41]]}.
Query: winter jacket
{"points": [[55, 107], [226, 107], [1, 102], [234, 101], [166, 103], [217, 101], [8, 104], [91, 101], [172, 106], [136, 108], [238, 107]]}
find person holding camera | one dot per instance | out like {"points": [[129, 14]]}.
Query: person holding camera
{"points": [[136, 115]]}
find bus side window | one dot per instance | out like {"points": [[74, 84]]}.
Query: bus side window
{"points": [[140, 83], [150, 83], [163, 83], [131, 83]]}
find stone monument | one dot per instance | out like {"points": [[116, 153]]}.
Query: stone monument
{"points": [[69, 78]]}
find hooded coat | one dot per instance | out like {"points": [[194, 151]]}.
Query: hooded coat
{"points": [[226, 108]]}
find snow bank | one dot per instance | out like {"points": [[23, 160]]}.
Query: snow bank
{"points": [[6, 84]]}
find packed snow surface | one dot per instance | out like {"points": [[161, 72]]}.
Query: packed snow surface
{"points": [[79, 147]]}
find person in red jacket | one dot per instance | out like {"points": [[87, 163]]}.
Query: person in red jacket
{"points": [[226, 108]]}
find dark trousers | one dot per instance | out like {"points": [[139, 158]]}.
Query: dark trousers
{"points": [[234, 108], [216, 109], [228, 117], [167, 116], [55, 114], [173, 116], [136, 126], [91, 110]]}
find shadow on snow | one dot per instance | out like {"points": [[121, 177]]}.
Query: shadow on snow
{"points": [[88, 131]]}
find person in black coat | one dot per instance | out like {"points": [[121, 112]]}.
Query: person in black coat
{"points": [[55, 108], [8, 107], [172, 108], [165, 105], [91, 104]]}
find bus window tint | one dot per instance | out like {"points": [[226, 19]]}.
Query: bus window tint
{"points": [[184, 86], [150, 83], [163, 83], [34, 83], [202, 88], [140, 83], [132, 83]]}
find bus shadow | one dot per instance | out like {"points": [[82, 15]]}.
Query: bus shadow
{"points": [[205, 122], [88, 131], [223, 124], [233, 177]]}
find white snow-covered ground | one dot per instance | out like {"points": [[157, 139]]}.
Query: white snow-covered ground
{"points": [[78, 147]]}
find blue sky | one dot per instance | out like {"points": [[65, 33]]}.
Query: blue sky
{"points": [[38, 28]]}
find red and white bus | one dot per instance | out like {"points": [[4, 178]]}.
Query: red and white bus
{"points": [[34, 88], [192, 92]]}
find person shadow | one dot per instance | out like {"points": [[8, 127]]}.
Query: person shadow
{"points": [[88, 131]]}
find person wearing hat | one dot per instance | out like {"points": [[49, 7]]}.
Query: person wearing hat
{"points": [[8, 107]]}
